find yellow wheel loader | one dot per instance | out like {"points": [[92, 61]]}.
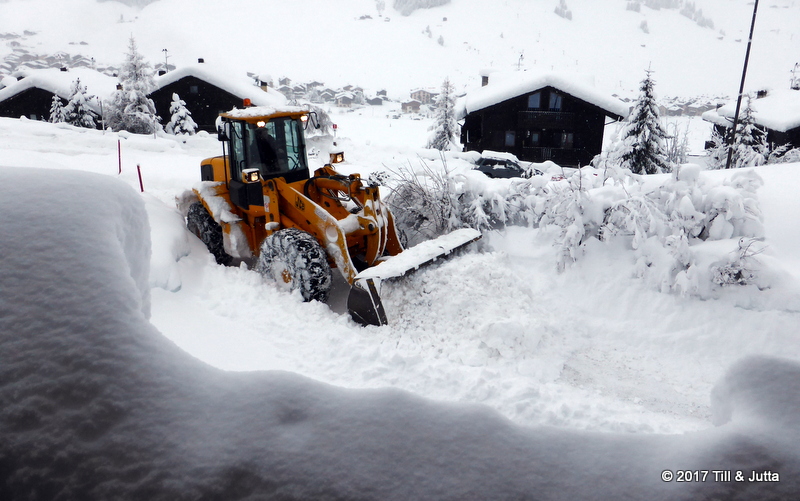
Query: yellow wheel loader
{"points": [[258, 204]]}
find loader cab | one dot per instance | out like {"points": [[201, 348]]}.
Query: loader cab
{"points": [[273, 145]]}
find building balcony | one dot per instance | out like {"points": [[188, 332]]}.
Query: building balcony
{"points": [[545, 119]]}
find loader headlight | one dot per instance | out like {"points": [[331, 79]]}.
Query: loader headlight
{"points": [[261, 123], [251, 175], [337, 157]]}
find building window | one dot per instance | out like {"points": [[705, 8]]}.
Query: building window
{"points": [[567, 140], [193, 89], [532, 139], [511, 138], [534, 101], [555, 102]]}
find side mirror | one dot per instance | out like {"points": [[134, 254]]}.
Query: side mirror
{"points": [[313, 119], [222, 132]]}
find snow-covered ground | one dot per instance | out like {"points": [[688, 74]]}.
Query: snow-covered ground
{"points": [[591, 349]]}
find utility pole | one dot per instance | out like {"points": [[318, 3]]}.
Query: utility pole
{"points": [[741, 89], [166, 59]]}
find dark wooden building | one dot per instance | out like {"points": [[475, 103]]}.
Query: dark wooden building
{"points": [[538, 119], [207, 91], [31, 102], [32, 95], [776, 111]]}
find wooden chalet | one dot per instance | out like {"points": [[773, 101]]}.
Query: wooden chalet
{"points": [[208, 91], [345, 100], [775, 111], [538, 118], [32, 94]]}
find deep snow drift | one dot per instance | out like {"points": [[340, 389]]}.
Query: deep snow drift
{"points": [[96, 404]]}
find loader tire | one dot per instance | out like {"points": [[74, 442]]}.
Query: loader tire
{"points": [[200, 222], [295, 260]]}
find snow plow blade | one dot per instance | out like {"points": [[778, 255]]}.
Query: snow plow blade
{"points": [[364, 302]]}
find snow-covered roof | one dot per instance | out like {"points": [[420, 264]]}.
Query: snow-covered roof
{"points": [[60, 82], [504, 86], [779, 111], [260, 111], [240, 85]]}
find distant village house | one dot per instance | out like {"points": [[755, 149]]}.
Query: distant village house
{"points": [[775, 111]]}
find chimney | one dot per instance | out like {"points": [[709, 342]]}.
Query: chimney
{"points": [[484, 80], [200, 60]]}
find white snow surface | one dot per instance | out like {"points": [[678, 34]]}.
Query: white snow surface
{"points": [[497, 377]]}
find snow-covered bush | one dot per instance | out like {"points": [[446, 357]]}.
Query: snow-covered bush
{"points": [[683, 230], [784, 154], [677, 143], [423, 202]]}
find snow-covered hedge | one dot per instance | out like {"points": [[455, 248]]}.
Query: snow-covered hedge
{"points": [[688, 232]]}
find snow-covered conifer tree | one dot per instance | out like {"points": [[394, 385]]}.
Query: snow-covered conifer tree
{"points": [[643, 150], [56, 110], [130, 109], [77, 112], [445, 128], [180, 118], [750, 146], [563, 11]]}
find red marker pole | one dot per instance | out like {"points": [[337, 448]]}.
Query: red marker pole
{"points": [[139, 170]]}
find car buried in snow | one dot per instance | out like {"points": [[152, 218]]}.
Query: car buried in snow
{"points": [[504, 165]]}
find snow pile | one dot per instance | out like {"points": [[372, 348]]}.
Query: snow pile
{"points": [[96, 404], [168, 246]]}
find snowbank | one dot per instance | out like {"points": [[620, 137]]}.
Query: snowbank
{"points": [[97, 404]]}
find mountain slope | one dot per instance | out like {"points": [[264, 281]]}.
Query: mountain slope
{"points": [[352, 41]]}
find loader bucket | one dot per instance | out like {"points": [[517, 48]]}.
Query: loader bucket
{"points": [[364, 302]]}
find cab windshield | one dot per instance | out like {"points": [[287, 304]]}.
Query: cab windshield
{"points": [[274, 147]]}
